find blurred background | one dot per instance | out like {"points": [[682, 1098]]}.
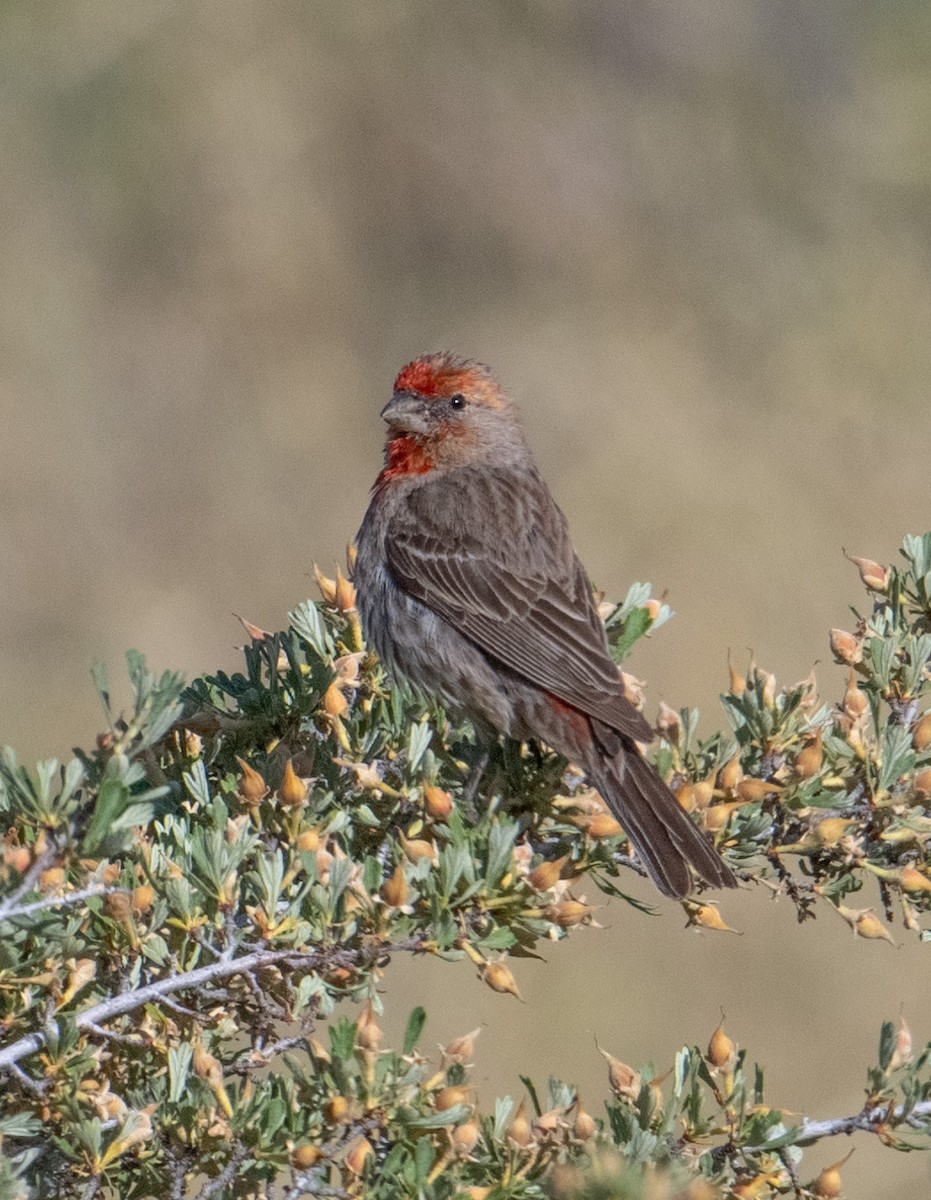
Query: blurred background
{"points": [[694, 240]]}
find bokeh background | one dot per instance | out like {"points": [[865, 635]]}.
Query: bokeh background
{"points": [[694, 239]]}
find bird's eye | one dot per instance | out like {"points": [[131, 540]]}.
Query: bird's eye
{"points": [[457, 401]]}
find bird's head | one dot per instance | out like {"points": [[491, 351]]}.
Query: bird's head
{"points": [[448, 412]]}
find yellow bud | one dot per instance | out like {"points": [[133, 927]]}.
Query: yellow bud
{"points": [[519, 1131], [545, 876], [449, 1097], [738, 684], [52, 879], [716, 816], [868, 925], [292, 791], [308, 842], [305, 1155], [368, 1033], [358, 1152], [808, 762], [845, 647], [334, 702], [855, 700], [327, 586], [828, 1184], [722, 1053], [584, 1125], [252, 787], [921, 734], [694, 797], [707, 916], [730, 774], [601, 825], [336, 1110], [345, 593], [464, 1137], [143, 898], [499, 979], [830, 831], [394, 889], [913, 880], [752, 790], [437, 802]]}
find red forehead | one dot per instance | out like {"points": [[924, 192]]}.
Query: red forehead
{"points": [[433, 379]]}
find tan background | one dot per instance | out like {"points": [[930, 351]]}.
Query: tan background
{"points": [[695, 241]]}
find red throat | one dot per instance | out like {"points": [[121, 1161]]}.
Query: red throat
{"points": [[405, 456]]}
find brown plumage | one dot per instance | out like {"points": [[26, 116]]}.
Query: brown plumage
{"points": [[469, 587]]}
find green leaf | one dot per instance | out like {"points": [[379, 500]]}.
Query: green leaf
{"points": [[886, 1044], [415, 1024], [179, 1066]]}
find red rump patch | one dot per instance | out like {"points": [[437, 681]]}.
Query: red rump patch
{"points": [[574, 716]]}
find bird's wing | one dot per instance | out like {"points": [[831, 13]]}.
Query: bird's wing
{"points": [[489, 550]]}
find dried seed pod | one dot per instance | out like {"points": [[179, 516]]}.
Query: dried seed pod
{"points": [[830, 831], [669, 724], [845, 647], [922, 782], [545, 876], [921, 734], [358, 1152], [567, 913], [118, 905], [308, 841], [873, 574], [623, 1080], [903, 1051], [417, 848], [461, 1049], [696, 796]]}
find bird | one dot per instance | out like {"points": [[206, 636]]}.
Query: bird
{"points": [[468, 586]]}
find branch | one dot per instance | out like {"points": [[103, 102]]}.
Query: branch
{"points": [[869, 1120], [116, 1006], [9, 912]]}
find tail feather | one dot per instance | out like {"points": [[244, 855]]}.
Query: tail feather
{"points": [[661, 832]]}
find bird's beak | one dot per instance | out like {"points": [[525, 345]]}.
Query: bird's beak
{"points": [[406, 411]]}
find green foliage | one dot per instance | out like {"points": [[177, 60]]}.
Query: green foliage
{"points": [[183, 906]]}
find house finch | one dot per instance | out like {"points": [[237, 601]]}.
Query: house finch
{"points": [[468, 585]]}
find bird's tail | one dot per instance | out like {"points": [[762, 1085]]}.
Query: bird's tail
{"points": [[660, 830]]}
